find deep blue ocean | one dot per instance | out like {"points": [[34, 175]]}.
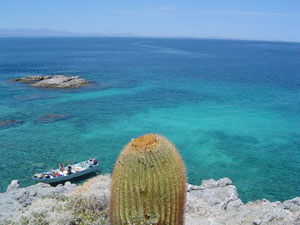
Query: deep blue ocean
{"points": [[231, 107]]}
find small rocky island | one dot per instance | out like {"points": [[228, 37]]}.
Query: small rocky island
{"points": [[56, 81]]}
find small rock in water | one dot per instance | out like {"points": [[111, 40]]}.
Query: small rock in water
{"points": [[57, 81], [31, 78]]}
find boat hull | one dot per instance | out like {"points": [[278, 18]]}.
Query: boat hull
{"points": [[59, 179]]}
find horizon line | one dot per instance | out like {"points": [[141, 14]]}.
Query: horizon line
{"points": [[145, 36], [35, 33]]}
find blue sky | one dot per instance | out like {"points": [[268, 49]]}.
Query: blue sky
{"points": [[241, 19]]}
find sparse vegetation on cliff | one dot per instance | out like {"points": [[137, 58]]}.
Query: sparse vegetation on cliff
{"points": [[213, 202]]}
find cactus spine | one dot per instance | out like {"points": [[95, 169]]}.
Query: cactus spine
{"points": [[148, 183]]}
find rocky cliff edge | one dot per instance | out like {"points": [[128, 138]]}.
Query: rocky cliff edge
{"points": [[213, 202]]}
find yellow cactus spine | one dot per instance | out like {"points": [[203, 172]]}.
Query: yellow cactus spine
{"points": [[148, 183]]}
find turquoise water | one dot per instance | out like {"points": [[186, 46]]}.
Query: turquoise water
{"points": [[231, 107]]}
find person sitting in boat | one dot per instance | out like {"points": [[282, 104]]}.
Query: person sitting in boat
{"points": [[69, 170], [38, 175], [61, 167], [90, 162], [52, 172], [95, 160]]}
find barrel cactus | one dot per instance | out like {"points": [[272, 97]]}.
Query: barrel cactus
{"points": [[148, 183]]}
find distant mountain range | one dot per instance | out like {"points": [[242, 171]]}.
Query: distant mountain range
{"points": [[54, 33]]}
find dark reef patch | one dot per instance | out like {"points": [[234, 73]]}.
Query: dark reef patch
{"points": [[9, 123], [49, 118]]}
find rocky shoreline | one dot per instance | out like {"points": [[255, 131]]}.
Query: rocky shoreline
{"points": [[213, 202], [56, 81]]}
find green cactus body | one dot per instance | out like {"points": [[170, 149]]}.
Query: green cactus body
{"points": [[148, 183]]}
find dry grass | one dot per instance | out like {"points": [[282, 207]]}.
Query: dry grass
{"points": [[98, 185], [87, 204]]}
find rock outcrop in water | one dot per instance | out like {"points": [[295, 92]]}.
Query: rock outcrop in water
{"points": [[57, 81], [9, 123], [49, 118], [213, 202]]}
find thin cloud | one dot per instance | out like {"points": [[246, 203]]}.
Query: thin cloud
{"points": [[147, 13], [165, 8], [142, 13], [253, 13]]}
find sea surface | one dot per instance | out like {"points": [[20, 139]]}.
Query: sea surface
{"points": [[231, 107]]}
